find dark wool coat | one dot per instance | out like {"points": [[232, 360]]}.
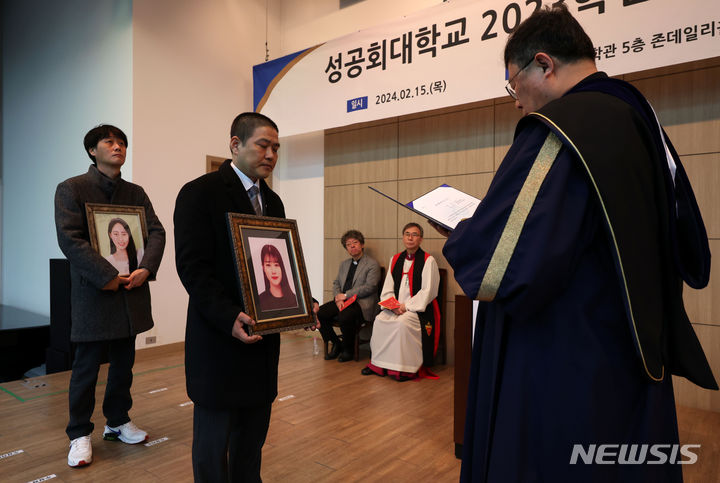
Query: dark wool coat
{"points": [[100, 314], [221, 372]]}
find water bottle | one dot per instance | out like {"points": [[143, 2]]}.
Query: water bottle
{"points": [[316, 344]]}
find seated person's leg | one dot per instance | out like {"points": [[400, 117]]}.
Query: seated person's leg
{"points": [[348, 320], [326, 315], [396, 346]]}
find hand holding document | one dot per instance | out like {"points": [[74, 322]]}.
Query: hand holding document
{"points": [[390, 303], [445, 205], [348, 302]]}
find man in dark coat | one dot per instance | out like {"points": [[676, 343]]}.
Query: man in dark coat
{"points": [[108, 310], [231, 376], [578, 252]]}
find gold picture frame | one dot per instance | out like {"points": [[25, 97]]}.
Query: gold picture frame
{"points": [[271, 273], [117, 219]]}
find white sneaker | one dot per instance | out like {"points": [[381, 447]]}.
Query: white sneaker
{"points": [[80, 451], [127, 433]]}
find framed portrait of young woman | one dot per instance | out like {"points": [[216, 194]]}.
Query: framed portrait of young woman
{"points": [[271, 272], [118, 233]]}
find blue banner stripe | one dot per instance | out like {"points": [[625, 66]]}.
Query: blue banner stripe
{"points": [[263, 75]]}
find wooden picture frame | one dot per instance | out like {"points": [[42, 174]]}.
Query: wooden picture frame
{"points": [[271, 273], [126, 225]]}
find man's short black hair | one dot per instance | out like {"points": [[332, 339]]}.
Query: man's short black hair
{"points": [[411, 224], [553, 31], [352, 234], [98, 133], [244, 125]]}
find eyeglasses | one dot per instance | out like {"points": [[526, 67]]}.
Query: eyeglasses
{"points": [[412, 235], [508, 88]]}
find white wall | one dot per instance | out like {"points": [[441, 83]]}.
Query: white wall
{"points": [[298, 178], [192, 64], [67, 66]]}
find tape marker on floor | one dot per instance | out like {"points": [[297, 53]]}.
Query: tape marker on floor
{"points": [[44, 478], [156, 441], [12, 453]]}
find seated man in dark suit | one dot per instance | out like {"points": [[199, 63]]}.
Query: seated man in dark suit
{"points": [[358, 276]]}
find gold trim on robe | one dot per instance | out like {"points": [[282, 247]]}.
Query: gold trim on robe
{"points": [[518, 215]]}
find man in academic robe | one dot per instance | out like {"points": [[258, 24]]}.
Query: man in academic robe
{"points": [[231, 376], [578, 253], [405, 338]]}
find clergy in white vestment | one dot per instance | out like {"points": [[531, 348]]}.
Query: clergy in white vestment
{"points": [[405, 337]]}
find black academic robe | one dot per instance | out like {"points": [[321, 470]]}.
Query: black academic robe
{"points": [[555, 356]]}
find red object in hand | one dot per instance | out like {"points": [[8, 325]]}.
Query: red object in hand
{"points": [[390, 303], [348, 302]]}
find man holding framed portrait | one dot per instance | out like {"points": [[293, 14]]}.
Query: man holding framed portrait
{"points": [[110, 297], [231, 374]]}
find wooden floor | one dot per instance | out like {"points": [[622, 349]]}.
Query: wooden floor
{"points": [[328, 424]]}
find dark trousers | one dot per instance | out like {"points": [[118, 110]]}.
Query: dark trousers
{"points": [[117, 402], [348, 319], [227, 445]]}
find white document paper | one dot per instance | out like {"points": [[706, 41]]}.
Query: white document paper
{"points": [[445, 205]]}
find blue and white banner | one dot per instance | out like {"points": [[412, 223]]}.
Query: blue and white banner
{"points": [[451, 54]]}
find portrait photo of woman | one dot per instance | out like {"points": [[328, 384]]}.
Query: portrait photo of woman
{"points": [[123, 254], [277, 294]]}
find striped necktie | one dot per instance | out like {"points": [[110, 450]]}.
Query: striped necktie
{"points": [[253, 193]]}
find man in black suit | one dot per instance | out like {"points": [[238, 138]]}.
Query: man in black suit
{"points": [[231, 376]]}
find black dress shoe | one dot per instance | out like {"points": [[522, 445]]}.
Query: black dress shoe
{"points": [[345, 357], [336, 350], [366, 371]]}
